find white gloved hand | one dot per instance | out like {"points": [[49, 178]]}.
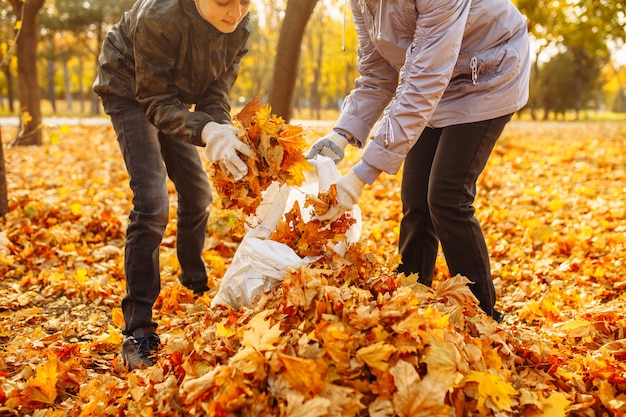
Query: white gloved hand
{"points": [[349, 189], [331, 146], [222, 145]]}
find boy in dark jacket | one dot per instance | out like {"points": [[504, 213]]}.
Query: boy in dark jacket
{"points": [[159, 60]]}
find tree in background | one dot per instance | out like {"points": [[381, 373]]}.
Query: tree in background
{"points": [[581, 29], [75, 30], [292, 30], [324, 73], [4, 197], [27, 27], [557, 94], [256, 66], [310, 73], [6, 55], [614, 88]]}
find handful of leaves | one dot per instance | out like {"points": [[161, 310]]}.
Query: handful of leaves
{"points": [[278, 156]]}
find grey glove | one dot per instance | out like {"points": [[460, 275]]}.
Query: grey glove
{"points": [[349, 189], [331, 146], [222, 145]]}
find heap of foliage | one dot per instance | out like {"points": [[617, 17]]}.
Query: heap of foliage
{"points": [[312, 237], [344, 336], [278, 156]]}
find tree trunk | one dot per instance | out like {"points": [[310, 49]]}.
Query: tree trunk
{"points": [[316, 99], [51, 92], [288, 55], [10, 95], [81, 87], [67, 85], [4, 199], [27, 79], [95, 100]]}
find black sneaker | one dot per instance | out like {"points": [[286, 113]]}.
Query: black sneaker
{"points": [[498, 316], [140, 352], [198, 289]]}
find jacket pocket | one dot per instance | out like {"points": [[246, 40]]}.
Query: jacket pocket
{"points": [[491, 67]]}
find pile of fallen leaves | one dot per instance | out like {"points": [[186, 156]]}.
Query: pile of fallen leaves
{"points": [[344, 336], [312, 237], [278, 157]]}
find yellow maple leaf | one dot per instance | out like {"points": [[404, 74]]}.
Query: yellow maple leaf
{"points": [[412, 325], [81, 276], [304, 375], [314, 407], [247, 361], [553, 406], [42, 387], [405, 378], [192, 388], [264, 114], [296, 170], [26, 118], [111, 336], [376, 355], [118, 317], [222, 331], [259, 334], [76, 208], [492, 386], [417, 397], [577, 327], [337, 341], [442, 356], [456, 288]]}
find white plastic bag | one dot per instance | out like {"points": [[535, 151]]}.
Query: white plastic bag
{"points": [[320, 180], [260, 264]]}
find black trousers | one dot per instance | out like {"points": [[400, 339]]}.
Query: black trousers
{"points": [[151, 157], [438, 192]]}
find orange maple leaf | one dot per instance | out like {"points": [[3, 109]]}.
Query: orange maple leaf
{"points": [[493, 387], [376, 356], [42, 387], [313, 237], [305, 375], [277, 157], [260, 334]]}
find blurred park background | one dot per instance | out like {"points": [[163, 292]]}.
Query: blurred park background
{"points": [[302, 57]]}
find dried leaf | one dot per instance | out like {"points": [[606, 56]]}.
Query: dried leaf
{"points": [[278, 158], [260, 334], [492, 390], [376, 356]]}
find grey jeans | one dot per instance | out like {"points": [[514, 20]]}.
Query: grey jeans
{"points": [[150, 158], [438, 192]]}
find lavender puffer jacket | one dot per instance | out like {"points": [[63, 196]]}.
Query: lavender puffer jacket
{"points": [[432, 63]]}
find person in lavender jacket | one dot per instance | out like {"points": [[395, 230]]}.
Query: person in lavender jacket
{"points": [[441, 79]]}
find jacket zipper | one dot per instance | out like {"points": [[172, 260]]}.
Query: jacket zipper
{"points": [[474, 67]]}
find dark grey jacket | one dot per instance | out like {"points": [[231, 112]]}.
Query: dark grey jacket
{"points": [[166, 57], [432, 63]]}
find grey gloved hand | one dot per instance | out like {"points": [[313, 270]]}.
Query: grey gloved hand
{"points": [[332, 146], [222, 145], [349, 189]]}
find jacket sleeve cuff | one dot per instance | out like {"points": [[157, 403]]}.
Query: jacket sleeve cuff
{"points": [[366, 172], [357, 127]]}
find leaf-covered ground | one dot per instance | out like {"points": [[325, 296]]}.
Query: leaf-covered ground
{"points": [[344, 337]]}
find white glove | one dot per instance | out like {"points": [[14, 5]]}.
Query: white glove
{"points": [[349, 189], [222, 145], [331, 146]]}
